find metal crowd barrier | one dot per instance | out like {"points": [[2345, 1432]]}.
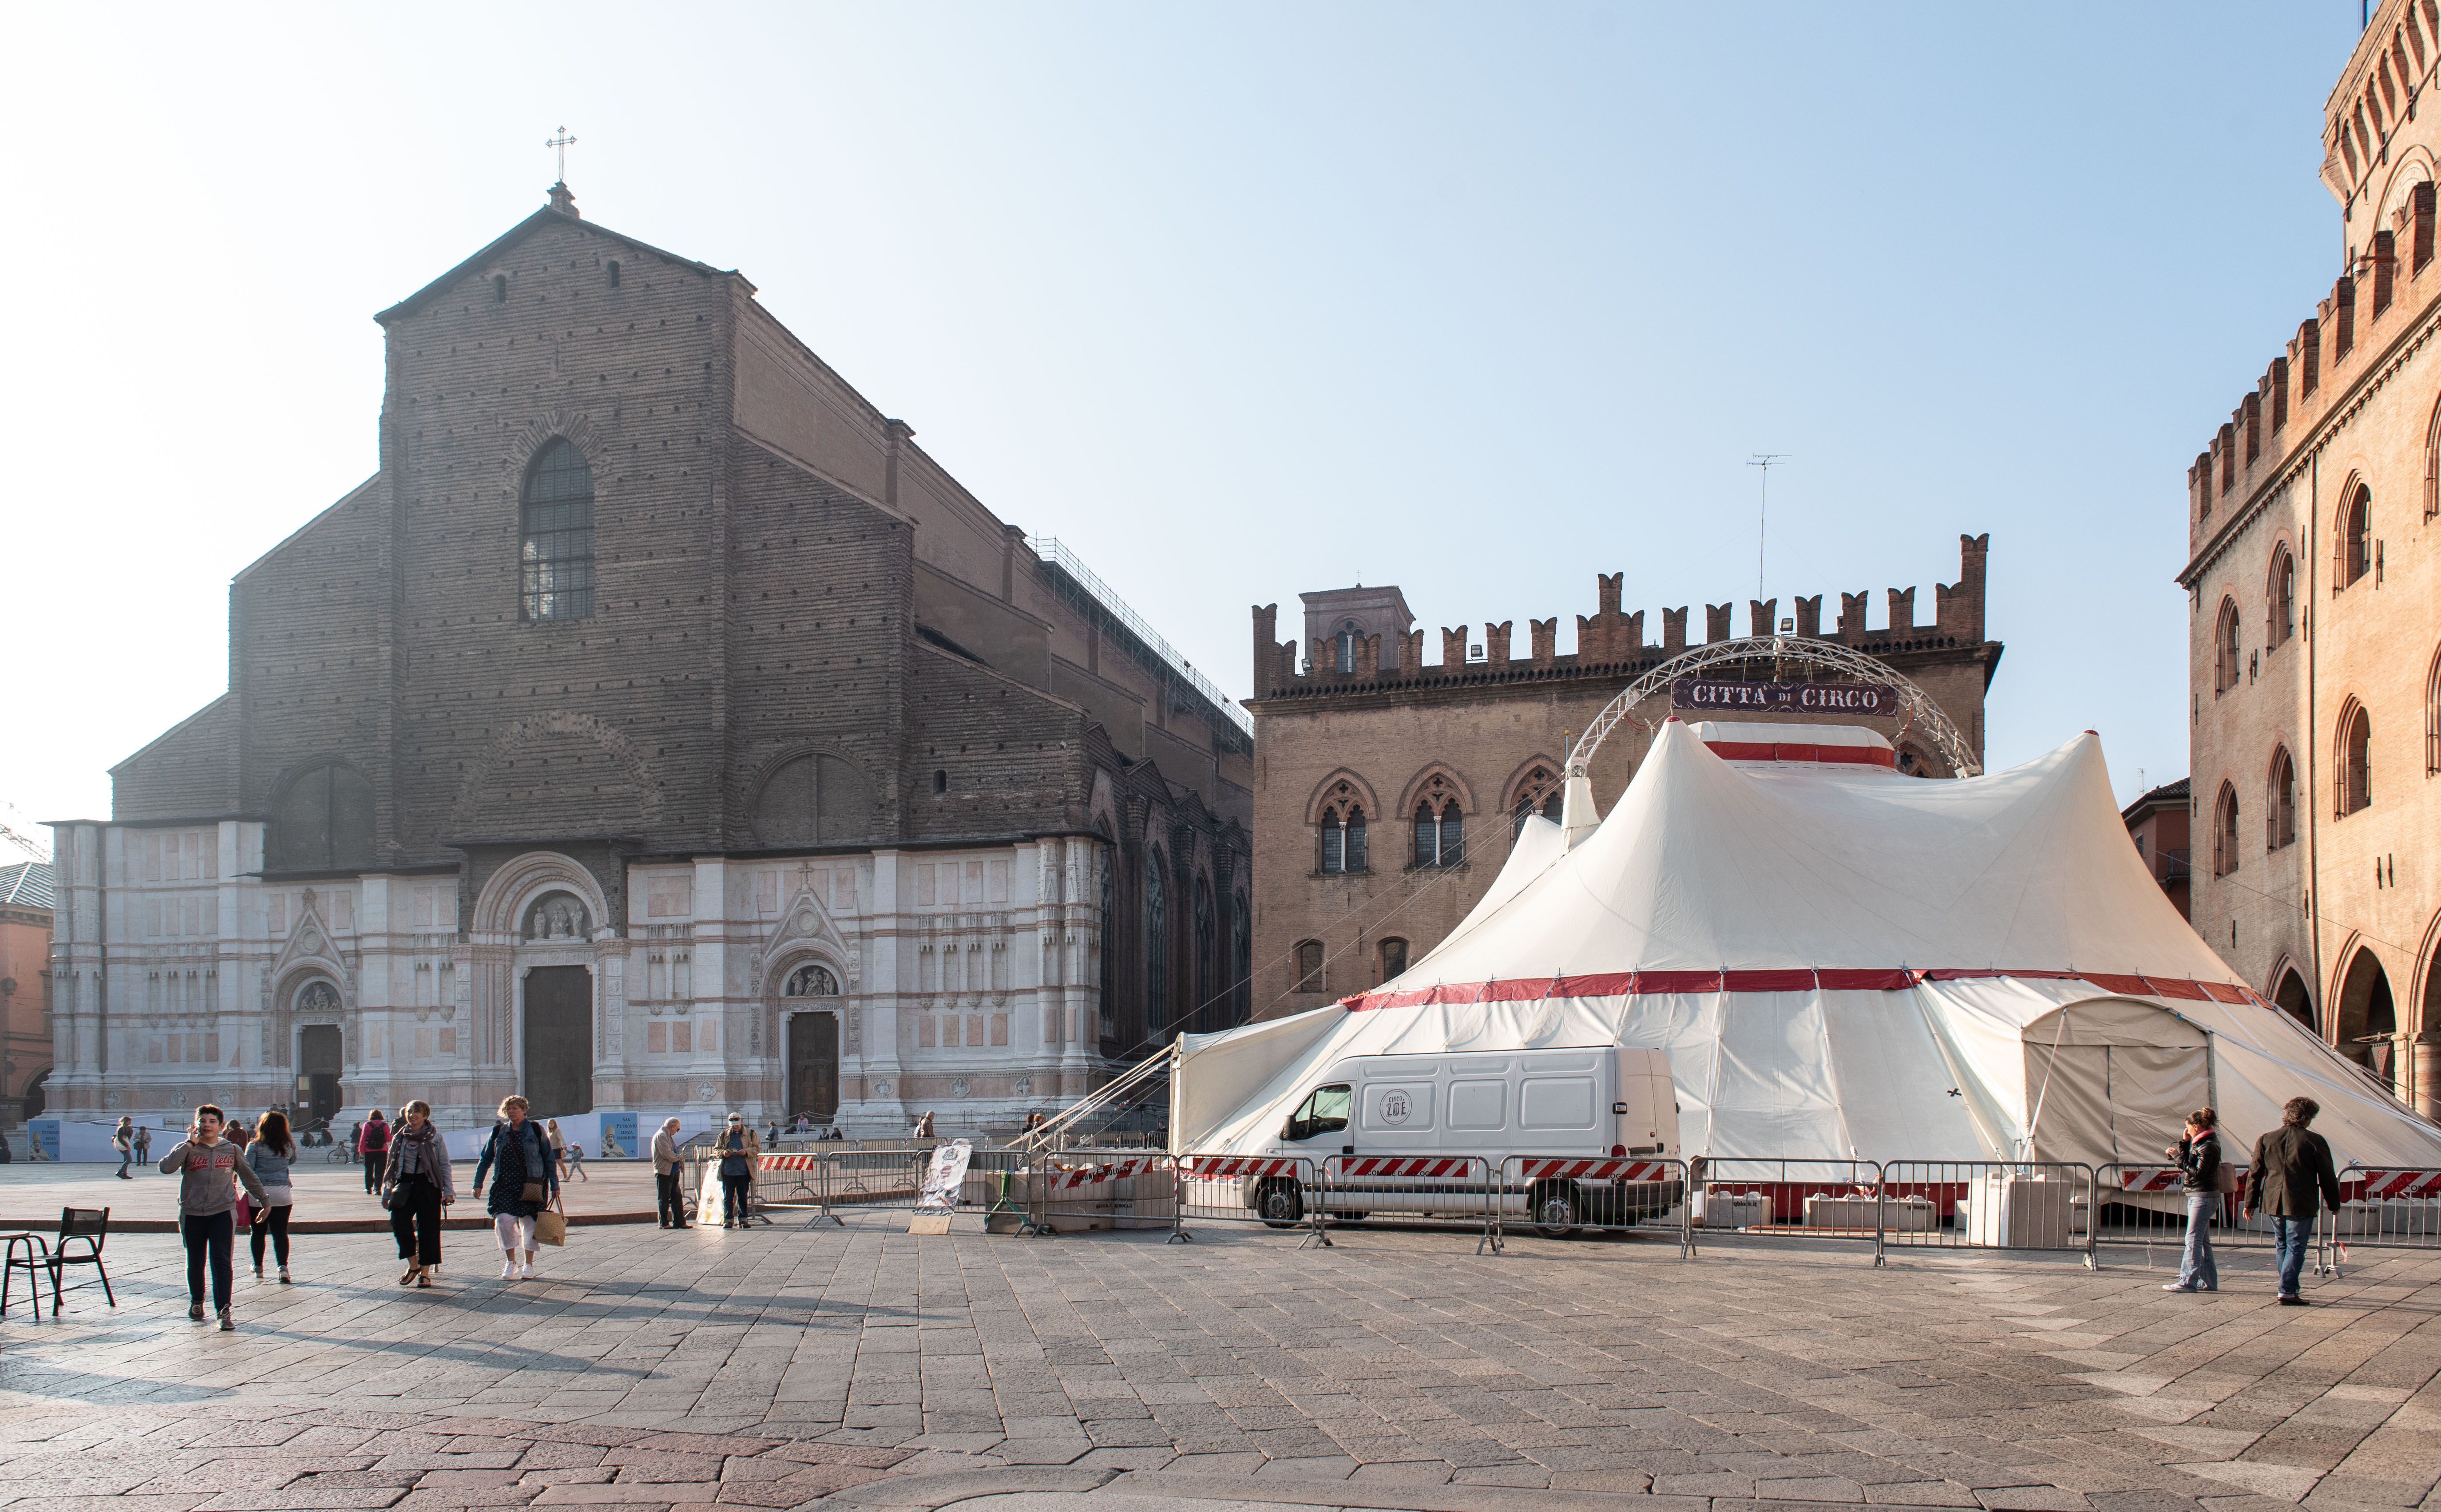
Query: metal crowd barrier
{"points": [[2383, 1208], [1072, 1193], [793, 1182], [1429, 1188], [1810, 1199], [2146, 1204], [1558, 1196], [1989, 1205], [1276, 1191]]}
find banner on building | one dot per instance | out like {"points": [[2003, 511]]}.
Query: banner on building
{"points": [[1845, 699], [618, 1137]]}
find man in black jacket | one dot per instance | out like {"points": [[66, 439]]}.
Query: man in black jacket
{"points": [[2292, 1172]]}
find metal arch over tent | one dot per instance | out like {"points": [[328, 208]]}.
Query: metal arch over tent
{"points": [[1839, 963], [1577, 815]]}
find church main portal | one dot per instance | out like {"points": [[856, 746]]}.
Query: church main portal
{"points": [[559, 1040]]}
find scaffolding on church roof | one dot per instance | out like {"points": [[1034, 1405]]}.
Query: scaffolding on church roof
{"points": [[1150, 643]]}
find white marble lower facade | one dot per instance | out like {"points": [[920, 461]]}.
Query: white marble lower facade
{"points": [[959, 981]]}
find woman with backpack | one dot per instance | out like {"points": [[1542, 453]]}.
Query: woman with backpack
{"points": [[269, 1155], [416, 1186], [2204, 1176], [524, 1179]]}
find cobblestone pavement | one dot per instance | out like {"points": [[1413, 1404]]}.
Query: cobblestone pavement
{"points": [[864, 1367]]}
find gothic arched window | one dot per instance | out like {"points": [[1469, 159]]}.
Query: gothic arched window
{"points": [[2279, 802], [1346, 646], [1242, 960], [1156, 923], [2356, 536], [1205, 941], [2225, 832], [2284, 598], [1440, 833], [812, 981], [1342, 837], [323, 820], [556, 527], [1538, 792], [2353, 783], [2226, 662]]}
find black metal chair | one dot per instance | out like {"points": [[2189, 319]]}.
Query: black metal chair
{"points": [[92, 1226], [31, 1254]]}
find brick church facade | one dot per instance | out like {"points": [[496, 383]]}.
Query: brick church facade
{"points": [[658, 729], [2314, 632], [1387, 788]]}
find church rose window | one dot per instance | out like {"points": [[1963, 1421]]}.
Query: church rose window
{"points": [[555, 519], [322, 821]]}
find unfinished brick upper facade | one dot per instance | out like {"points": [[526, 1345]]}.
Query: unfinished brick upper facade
{"points": [[1484, 730], [2315, 608], [787, 696]]}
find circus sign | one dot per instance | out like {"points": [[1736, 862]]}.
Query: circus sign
{"points": [[1718, 695]]}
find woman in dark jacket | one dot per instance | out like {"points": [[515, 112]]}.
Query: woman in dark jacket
{"points": [[2197, 1153], [416, 1186], [524, 1179]]}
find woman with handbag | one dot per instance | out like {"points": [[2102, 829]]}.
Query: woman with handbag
{"points": [[270, 1153], [524, 1180], [2205, 1176], [738, 1150], [416, 1186]]}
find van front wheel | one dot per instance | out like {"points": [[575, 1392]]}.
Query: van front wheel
{"points": [[1553, 1211], [1280, 1205]]}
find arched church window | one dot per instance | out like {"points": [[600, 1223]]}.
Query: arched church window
{"points": [[556, 524], [559, 916], [1156, 924], [817, 799], [2356, 536], [1204, 942], [1242, 960], [811, 980], [323, 820], [318, 996]]}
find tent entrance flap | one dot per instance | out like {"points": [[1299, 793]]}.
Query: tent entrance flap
{"points": [[2113, 1080]]}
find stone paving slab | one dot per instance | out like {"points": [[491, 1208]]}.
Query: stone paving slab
{"points": [[859, 1365]]}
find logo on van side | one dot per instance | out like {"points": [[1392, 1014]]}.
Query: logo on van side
{"points": [[1394, 1107]]}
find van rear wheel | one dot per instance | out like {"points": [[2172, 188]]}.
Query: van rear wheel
{"points": [[1553, 1211], [1280, 1205]]}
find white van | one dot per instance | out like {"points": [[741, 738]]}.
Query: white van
{"points": [[1571, 1105]]}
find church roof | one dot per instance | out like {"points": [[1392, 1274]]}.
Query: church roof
{"points": [[26, 885], [548, 215]]}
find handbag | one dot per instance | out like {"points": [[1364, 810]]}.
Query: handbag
{"points": [[551, 1225], [2225, 1177]]}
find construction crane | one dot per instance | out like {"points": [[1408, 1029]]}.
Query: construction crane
{"points": [[15, 828]]}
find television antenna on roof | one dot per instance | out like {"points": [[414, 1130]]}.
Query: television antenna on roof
{"points": [[1762, 510]]}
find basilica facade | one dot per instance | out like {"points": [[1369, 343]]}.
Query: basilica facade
{"points": [[657, 731]]}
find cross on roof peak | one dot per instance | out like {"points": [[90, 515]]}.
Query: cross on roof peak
{"points": [[560, 144]]}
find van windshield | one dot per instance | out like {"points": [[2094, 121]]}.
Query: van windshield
{"points": [[1324, 1111]]}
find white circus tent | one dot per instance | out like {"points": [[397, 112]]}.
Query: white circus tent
{"points": [[1840, 962]]}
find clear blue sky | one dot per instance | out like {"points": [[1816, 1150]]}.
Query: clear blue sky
{"points": [[1239, 300]]}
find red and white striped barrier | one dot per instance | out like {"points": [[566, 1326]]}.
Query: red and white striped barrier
{"points": [[1534, 1169], [1388, 1165], [2150, 1178], [2387, 1184], [793, 1163], [1220, 1167]]}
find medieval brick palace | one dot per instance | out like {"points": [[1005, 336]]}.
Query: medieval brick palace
{"points": [[659, 730]]}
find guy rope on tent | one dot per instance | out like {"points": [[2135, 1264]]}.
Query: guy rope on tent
{"points": [[1916, 707]]}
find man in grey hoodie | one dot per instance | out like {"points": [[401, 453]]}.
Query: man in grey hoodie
{"points": [[211, 1169]]}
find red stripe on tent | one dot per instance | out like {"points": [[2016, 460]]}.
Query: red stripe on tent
{"points": [[1781, 981], [1790, 978], [1749, 750]]}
